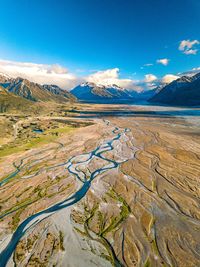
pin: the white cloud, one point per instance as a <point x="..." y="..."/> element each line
<point x="163" y="61"/>
<point x="148" y="65"/>
<point x="56" y="74"/>
<point x="196" y="69"/>
<point x="190" y="52"/>
<point x="150" y="78"/>
<point x="187" y="44"/>
<point x="168" y="78"/>
<point x="104" y="77"/>
<point x="56" y="68"/>
<point x="40" y="73"/>
<point x="186" y="47"/>
<point x="151" y="86"/>
<point x="109" y="77"/>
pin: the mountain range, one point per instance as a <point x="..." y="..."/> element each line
<point x="34" y="91"/>
<point x="185" y="91"/>
<point x="91" y="92"/>
<point x="97" y="93"/>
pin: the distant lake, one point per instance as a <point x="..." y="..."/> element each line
<point x="37" y="131"/>
<point x="155" y="112"/>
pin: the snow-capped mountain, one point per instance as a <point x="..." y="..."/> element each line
<point x="4" y="78"/>
<point x="97" y="93"/>
<point x="183" y="91"/>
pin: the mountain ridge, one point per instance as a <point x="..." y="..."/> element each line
<point x="34" y="91"/>
<point x="98" y="93"/>
<point x="183" y="91"/>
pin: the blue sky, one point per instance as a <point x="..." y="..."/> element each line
<point x="86" y="36"/>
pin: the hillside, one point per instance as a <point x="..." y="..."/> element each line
<point x="33" y="91"/>
<point x="10" y="102"/>
<point x="184" y="91"/>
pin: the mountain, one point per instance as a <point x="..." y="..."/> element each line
<point x="10" y="102"/>
<point x="56" y="90"/>
<point x="184" y="91"/>
<point x="4" y="78"/>
<point x="33" y="91"/>
<point x="91" y="92"/>
<point x="144" y="95"/>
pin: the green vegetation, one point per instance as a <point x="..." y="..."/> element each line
<point x="45" y="138"/>
<point x="100" y="225"/>
<point x="147" y="263"/>
<point x="25" y="190"/>
<point x="60" y="191"/>
<point x="61" y="236"/>
<point x="11" y="103"/>
<point x="16" y="219"/>
<point x="39" y="192"/>
<point x="124" y="212"/>
<point x="80" y="232"/>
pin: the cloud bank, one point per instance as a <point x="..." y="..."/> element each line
<point x="150" y="78"/>
<point x="40" y="73"/>
<point x="168" y="78"/>
<point x="61" y="76"/>
<point x="111" y="76"/>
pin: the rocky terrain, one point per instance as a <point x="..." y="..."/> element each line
<point x="101" y="191"/>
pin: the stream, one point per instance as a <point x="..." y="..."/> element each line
<point x="71" y="165"/>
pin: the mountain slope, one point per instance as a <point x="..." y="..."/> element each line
<point x="10" y="102"/>
<point x="4" y="78"/>
<point x="90" y="92"/>
<point x="183" y="91"/>
<point x="57" y="91"/>
<point x="35" y="92"/>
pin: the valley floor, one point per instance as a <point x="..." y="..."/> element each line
<point x="101" y="186"/>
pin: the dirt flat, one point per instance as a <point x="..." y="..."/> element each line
<point x="122" y="190"/>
